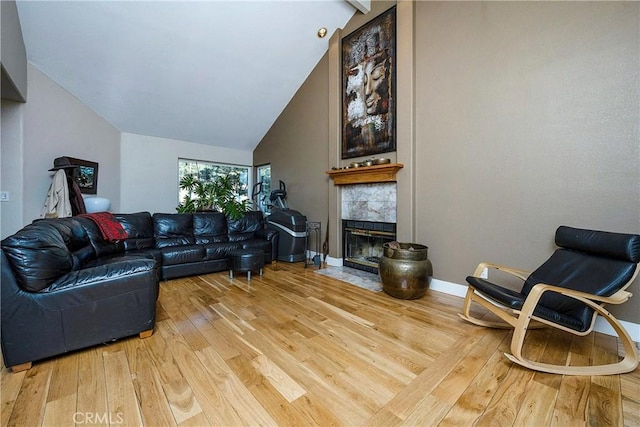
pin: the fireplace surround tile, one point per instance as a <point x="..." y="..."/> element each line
<point x="370" y="202"/>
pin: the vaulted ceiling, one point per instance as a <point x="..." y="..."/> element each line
<point x="210" y="72"/>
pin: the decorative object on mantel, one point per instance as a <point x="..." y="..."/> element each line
<point x="405" y="270"/>
<point x="365" y="174"/>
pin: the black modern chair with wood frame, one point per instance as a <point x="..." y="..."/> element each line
<point x="588" y="270"/>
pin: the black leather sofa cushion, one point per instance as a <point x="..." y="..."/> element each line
<point x="100" y="246"/>
<point x="38" y="256"/>
<point x="246" y="227"/>
<point x="210" y="227"/>
<point x="74" y="235"/>
<point x="265" y="245"/>
<point x="75" y="239"/>
<point x="194" y="268"/>
<point x="139" y="228"/>
<point x="220" y="250"/>
<point x="182" y="254"/>
<point x="173" y="229"/>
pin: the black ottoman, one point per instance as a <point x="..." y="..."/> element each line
<point x="246" y="260"/>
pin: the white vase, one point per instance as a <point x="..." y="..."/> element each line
<point x="97" y="204"/>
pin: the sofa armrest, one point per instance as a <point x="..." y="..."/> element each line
<point x="267" y="234"/>
<point x="101" y="280"/>
<point x="273" y="236"/>
<point x="82" y="308"/>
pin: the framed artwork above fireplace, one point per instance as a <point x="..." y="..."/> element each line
<point x="369" y="88"/>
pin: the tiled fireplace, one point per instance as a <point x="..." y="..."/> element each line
<point x="369" y="220"/>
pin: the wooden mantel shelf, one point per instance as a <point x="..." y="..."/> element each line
<point x="365" y="174"/>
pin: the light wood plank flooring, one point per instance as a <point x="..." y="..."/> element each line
<point x="296" y="348"/>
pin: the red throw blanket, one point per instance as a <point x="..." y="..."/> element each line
<point x="109" y="226"/>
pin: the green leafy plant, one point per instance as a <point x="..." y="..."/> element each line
<point x="218" y="194"/>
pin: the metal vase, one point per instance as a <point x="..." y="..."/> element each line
<point x="405" y="272"/>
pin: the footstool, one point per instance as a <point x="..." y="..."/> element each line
<point x="246" y="260"/>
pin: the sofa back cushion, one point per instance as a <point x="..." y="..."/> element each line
<point x="100" y="246"/>
<point x="173" y="229"/>
<point x="210" y="227"/>
<point x="38" y="255"/>
<point x="139" y="228"/>
<point x="245" y="228"/>
<point x="75" y="238"/>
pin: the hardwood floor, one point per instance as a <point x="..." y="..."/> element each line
<point x="298" y="348"/>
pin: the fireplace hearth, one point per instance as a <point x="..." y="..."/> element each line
<point x="363" y="242"/>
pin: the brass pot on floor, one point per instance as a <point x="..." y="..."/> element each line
<point x="405" y="270"/>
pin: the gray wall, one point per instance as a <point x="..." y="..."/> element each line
<point x="529" y="118"/>
<point x="526" y="116"/>
<point x="297" y="147"/>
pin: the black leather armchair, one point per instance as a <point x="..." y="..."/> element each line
<point x="568" y="291"/>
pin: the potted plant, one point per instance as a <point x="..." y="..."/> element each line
<point x="218" y="194"/>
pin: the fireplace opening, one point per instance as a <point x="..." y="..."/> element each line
<point x="363" y="242"/>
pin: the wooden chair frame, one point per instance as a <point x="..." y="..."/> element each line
<point x="524" y="319"/>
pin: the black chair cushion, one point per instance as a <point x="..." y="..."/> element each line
<point x="579" y="271"/>
<point x="502" y="295"/>
<point x="603" y="243"/>
<point x="515" y="300"/>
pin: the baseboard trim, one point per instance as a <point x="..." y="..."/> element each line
<point x="458" y="290"/>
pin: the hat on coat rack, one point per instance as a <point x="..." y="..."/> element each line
<point x="62" y="163"/>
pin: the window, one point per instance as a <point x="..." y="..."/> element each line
<point x="264" y="177"/>
<point x="208" y="171"/>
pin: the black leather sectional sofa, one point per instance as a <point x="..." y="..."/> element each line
<point x="64" y="287"/>
<point x="198" y="243"/>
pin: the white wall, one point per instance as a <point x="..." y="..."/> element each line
<point x="53" y="123"/>
<point x="11" y="159"/>
<point x="149" y="169"/>
<point x="14" y="54"/>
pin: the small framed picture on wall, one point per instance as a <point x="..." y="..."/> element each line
<point x="86" y="175"/>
